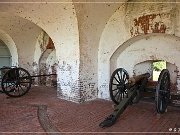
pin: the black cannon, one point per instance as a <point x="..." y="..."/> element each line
<point x="125" y="91"/>
<point x="16" y="81"/>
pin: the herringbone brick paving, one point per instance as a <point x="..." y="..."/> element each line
<point x="20" y="115"/>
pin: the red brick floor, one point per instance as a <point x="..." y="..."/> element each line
<point x="20" y="115"/>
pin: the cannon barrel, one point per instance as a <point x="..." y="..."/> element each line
<point x="136" y="79"/>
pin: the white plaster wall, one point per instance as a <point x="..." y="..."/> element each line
<point x="51" y="61"/>
<point x="40" y="47"/>
<point x="173" y="72"/>
<point x="113" y="36"/>
<point x="51" y="65"/>
<point x="143" y="67"/>
<point x="37" y="55"/>
<point x="44" y="57"/>
<point x="92" y="19"/>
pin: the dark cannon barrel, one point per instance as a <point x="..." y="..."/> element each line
<point x="136" y="79"/>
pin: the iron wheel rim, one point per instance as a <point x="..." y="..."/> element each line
<point x="118" y="85"/>
<point x="163" y="91"/>
<point x="16" y="82"/>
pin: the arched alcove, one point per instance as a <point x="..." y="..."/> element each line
<point x="148" y="48"/>
<point x="5" y="55"/>
<point x="8" y="41"/>
<point x="41" y="54"/>
<point x="45" y="60"/>
<point x="51" y="64"/>
<point x="47" y="65"/>
<point x="144" y="48"/>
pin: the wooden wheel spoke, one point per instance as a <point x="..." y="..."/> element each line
<point x="18" y="91"/>
<point x="124" y="77"/>
<point x="116" y="79"/>
<point x="22" y="88"/>
<point x="114" y="89"/>
<point x="118" y="97"/>
<point x="116" y="93"/>
<point x="121" y="72"/>
<point x="23" y="75"/>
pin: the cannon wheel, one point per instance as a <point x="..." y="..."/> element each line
<point x="163" y="91"/>
<point x="16" y="82"/>
<point x="118" y="85"/>
<point x="3" y="70"/>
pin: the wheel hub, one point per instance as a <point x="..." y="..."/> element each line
<point x="121" y="87"/>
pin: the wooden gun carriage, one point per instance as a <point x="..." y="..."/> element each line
<point x="125" y="91"/>
<point x="16" y="81"/>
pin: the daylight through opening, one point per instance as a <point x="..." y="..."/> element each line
<point x="158" y="66"/>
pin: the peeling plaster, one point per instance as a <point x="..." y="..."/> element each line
<point x="153" y="23"/>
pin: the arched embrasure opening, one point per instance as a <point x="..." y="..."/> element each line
<point x="154" y="67"/>
<point x="158" y="66"/>
<point x="11" y="47"/>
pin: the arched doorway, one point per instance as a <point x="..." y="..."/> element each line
<point x="5" y="56"/>
<point x="47" y="63"/>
